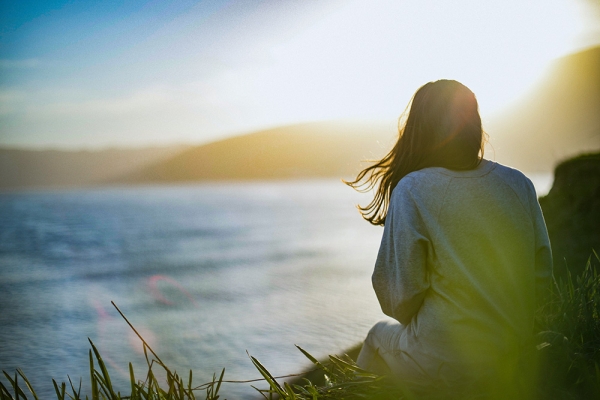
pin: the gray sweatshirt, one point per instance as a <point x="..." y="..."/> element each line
<point x="464" y="261"/>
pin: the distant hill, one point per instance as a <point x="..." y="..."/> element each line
<point x="297" y="151"/>
<point x="57" y="168"/>
<point x="558" y="119"/>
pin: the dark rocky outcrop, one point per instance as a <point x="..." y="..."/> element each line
<point x="572" y="213"/>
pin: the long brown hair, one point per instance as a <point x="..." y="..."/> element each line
<point x="443" y="129"/>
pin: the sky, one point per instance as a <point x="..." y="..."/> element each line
<point x="88" y="74"/>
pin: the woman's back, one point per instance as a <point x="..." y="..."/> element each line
<point x="465" y="255"/>
<point x="461" y="247"/>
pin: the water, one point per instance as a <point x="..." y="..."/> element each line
<point x="205" y="272"/>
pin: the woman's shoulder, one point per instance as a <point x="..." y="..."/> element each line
<point x="513" y="177"/>
<point x="423" y="183"/>
<point x="420" y="179"/>
<point x="433" y="179"/>
<point x="484" y="169"/>
<point x="507" y="170"/>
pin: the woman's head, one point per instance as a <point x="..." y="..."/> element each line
<point x="442" y="129"/>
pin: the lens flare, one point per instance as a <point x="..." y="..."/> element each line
<point x="158" y="294"/>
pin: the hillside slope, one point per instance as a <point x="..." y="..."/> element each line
<point x="558" y="119"/>
<point x="60" y="168"/>
<point x="298" y="151"/>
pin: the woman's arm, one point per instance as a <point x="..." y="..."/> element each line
<point x="400" y="275"/>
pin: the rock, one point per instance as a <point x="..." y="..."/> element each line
<point x="572" y="213"/>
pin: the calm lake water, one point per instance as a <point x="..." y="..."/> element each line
<point x="205" y="272"/>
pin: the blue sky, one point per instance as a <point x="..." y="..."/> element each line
<point x="88" y="74"/>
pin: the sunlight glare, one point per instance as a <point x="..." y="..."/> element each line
<point x="366" y="59"/>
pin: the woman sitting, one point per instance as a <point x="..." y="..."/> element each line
<point x="464" y="259"/>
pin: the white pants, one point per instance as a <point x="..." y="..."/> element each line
<point x="381" y="352"/>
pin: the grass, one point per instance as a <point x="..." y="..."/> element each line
<point x="174" y="387"/>
<point x="570" y="338"/>
<point x="564" y="363"/>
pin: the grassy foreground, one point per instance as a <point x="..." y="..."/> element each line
<point x="564" y="363"/>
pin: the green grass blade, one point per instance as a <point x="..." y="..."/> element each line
<point x="27" y="383"/>
<point x="60" y="394"/>
<point x="189" y="387"/>
<point x="314" y="360"/>
<point x="104" y="387"/>
<point x="15" y="385"/>
<point x="267" y="375"/>
<point x="76" y="393"/>
<point x="132" y="381"/>
<point x="289" y="391"/>
<point x="107" y="382"/>
<point x="342" y="364"/>
<point x="17" y="388"/>
<point x="4" y="393"/>
<point x="261" y="391"/>
<point x="142" y="339"/>
<point x="93" y="382"/>
<point x="219" y="383"/>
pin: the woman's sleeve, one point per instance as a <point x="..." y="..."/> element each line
<point x="400" y="275"/>
<point x="543" y="252"/>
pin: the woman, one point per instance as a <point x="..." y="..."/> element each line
<point x="465" y="256"/>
